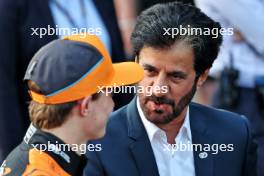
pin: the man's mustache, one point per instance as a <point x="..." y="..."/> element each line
<point x="160" y="100"/>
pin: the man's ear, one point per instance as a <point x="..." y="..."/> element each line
<point x="203" y="77"/>
<point x="84" y="105"/>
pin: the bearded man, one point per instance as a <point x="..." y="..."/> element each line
<point x="164" y="133"/>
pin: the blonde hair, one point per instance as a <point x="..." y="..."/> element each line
<point x="48" y="116"/>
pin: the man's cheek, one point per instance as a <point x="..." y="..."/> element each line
<point x="146" y="81"/>
<point x="179" y="92"/>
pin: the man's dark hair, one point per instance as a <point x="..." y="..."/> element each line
<point x="151" y="24"/>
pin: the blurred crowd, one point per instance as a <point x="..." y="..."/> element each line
<point x="236" y="81"/>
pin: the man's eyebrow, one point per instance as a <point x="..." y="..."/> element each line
<point x="149" y="67"/>
<point x="178" y="74"/>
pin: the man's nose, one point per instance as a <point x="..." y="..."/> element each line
<point x="158" y="86"/>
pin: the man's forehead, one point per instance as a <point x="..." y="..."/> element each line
<point x="171" y="59"/>
<point x="178" y="49"/>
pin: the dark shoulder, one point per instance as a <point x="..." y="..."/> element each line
<point x="117" y="123"/>
<point x="219" y="117"/>
<point x="118" y="116"/>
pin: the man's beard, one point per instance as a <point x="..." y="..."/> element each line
<point x="176" y="108"/>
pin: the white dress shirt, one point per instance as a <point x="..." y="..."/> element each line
<point x="246" y="16"/>
<point x="170" y="162"/>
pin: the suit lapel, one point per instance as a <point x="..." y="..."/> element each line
<point x="203" y="160"/>
<point x="140" y="145"/>
<point x="143" y="154"/>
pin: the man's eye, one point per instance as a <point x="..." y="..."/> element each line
<point x="176" y="77"/>
<point x="150" y="71"/>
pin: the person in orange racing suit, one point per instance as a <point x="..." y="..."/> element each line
<point x="68" y="81"/>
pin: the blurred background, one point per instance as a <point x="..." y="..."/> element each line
<point x="236" y="80"/>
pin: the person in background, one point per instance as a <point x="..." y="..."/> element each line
<point x="239" y="66"/>
<point x="127" y="12"/>
<point x="20" y="26"/>
<point x="67" y="108"/>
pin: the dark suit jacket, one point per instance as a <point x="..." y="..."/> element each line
<point x="126" y="149"/>
<point x="17" y="46"/>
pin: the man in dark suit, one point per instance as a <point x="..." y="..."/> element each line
<point x="162" y="133"/>
<point x="17" y="47"/>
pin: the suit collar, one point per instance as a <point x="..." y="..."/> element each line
<point x="203" y="160"/>
<point x="152" y="129"/>
<point x="136" y="128"/>
<point x="68" y="159"/>
<point x="140" y="145"/>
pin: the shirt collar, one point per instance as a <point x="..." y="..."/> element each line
<point x="70" y="161"/>
<point x="152" y="129"/>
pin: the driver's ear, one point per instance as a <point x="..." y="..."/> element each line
<point x="84" y="105"/>
<point x="203" y="78"/>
